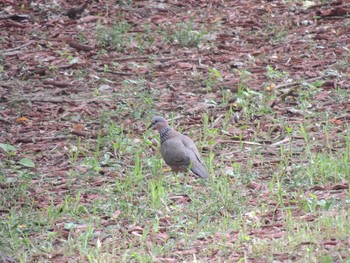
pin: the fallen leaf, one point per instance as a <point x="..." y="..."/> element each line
<point x="78" y="127"/>
<point x="335" y="121"/>
<point x="22" y="120"/>
<point x="27" y="162"/>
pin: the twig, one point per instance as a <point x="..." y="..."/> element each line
<point x="346" y="116"/>
<point x="230" y="141"/>
<point x="79" y="46"/>
<point x="281" y="142"/>
<point x="142" y="58"/>
<point x="57" y="83"/>
<point x="5" y="120"/>
<point x="287" y="85"/>
<point x="93" y="135"/>
<point x="116" y="72"/>
<point x="50" y="100"/>
<point x="40" y="139"/>
<point x="14" y="51"/>
<point x="58" y="100"/>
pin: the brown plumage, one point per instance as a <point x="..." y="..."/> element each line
<point x="178" y="150"/>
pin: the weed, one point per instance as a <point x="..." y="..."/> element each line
<point x="113" y="37"/>
<point x="1" y="64"/>
<point x="272" y="73"/>
<point x="124" y="2"/>
<point x="214" y="78"/>
<point x="185" y="35"/>
<point x="252" y="102"/>
<point x="323" y="169"/>
<point x="145" y="40"/>
<point x="277" y="34"/>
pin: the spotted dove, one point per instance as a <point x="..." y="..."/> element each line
<point x="178" y="150"/>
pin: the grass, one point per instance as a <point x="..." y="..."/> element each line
<point x="152" y="214"/>
<point x="113" y="37"/>
<point x="118" y="38"/>
<point x="185" y="35"/>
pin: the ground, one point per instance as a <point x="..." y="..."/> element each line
<point x="262" y="87"/>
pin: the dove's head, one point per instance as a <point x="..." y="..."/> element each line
<point x="158" y="123"/>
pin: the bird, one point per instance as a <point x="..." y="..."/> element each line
<point x="178" y="150"/>
<point x="74" y="12"/>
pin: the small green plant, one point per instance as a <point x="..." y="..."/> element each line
<point x="322" y="169"/>
<point x="74" y="152"/>
<point x="144" y="40"/>
<point x="185" y="35"/>
<point x="1" y="64"/>
<point x="12" y="151"/>
<point x="9" y="149"/>
<point x="277" y="33"/>
<point x="124" y="2"/>
<point x="81" y="37"/>
<point x="306" y="92"/>
<point x="244" y="77"/>
<point x="272" y="73"/>
<point x="214" y="78"/>
<point x="253" y="102"/>
<point x="113" y="37"/>
<point x="304" y="132"/>
<point x="157" y="192"/>
<point x="82" y="73"/>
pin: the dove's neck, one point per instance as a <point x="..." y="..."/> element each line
<point x="164" y="133"/>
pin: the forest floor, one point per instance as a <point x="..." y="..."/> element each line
<point x="262" y="87"/>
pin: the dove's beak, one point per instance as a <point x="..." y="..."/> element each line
<point x="150" y="126"/>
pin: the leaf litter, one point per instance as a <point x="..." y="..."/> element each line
<point x="53" y="68"/>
